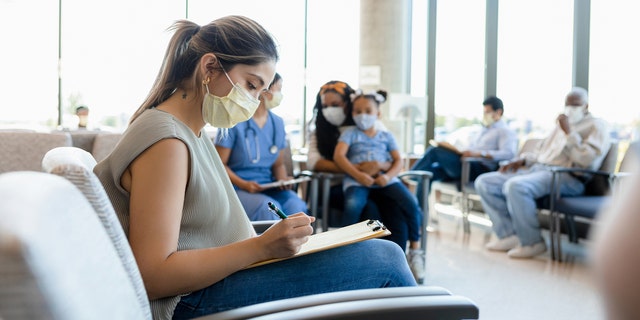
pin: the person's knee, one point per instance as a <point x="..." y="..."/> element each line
<point x="385" y="250"/>
<point x="353" y="203"/>
<point x="479" y="184"/>
<point x="515" y="187"/>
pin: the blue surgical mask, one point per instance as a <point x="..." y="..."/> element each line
<point x="365" y="121"/>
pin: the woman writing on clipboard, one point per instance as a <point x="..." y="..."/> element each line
<point x="252" y="154"/>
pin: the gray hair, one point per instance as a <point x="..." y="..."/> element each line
<point x="581" y="93"/>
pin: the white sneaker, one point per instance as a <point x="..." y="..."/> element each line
<point x="527" y="252"/>
<point x="415" y="257"/>
<point x="504" y="244"/>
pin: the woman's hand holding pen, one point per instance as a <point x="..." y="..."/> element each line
<point x="284" y="238"/>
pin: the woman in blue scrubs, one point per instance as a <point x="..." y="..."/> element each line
<point x="252" y="153"/>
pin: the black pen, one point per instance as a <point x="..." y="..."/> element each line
<point x="276" y="210"/>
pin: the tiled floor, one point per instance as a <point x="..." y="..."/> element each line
<point x="505" y="288"/>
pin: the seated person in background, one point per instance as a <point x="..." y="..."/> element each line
<point x="365" y="143"/>
<point x="332" y="115"/>
<point x="495" y="142"/>
<point x="509" y="195"/>
<point x="252" y="154"/>
<point x="82" y="112"/>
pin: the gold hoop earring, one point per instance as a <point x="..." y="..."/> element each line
<point x="206" y="81"/>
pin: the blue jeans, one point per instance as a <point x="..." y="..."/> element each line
<point x="369" y="264"/>
<point x="255" y="204"/>
<point x="376" y="208"/>
<point x="336" y="201"/>
<point x="405" y="204"/>
<point x="510" y="199"/>
<point x="396" y="223"/>
<point x="445" y="165"/>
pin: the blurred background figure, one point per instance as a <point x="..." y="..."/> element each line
<point x="83" y="117"/>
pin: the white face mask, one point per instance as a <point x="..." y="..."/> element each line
<point x="365" y="121"/>
<point x="575" y="114"/>
<point x="487" y="119"/>
<point x="83" y="120"/>
<point x="276" y="98"/>
<point x="226" y="112"/>
<point x="334" y="115"/>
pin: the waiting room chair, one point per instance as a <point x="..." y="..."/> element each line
<point x="76" y="165"/>
<point x="103" y="144"/>
<point x="599" y="191"/>
<point x="23" y="150"/>
<point x="59" y="262"/>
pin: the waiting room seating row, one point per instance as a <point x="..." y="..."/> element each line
<point x="24" y="149"/>
<point x="554" y="207"/>
<point x="462" y="193"/>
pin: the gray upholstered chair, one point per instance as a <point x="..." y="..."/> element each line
<point x="84" y="139"/>
<point x="58" y="261"/>
<point x="76" y="165"/>
<point x="23" y="150"/>
<point x="103" y="144"/>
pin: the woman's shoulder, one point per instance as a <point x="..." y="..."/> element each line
<point x="275" y="116"/>
<point x="154" y="122"/>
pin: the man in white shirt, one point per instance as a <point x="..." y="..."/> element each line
<point x="509" y="195"/>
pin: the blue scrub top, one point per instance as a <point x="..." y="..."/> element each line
<point x="245" y="139"/>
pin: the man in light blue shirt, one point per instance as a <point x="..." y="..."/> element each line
<point x="495" y="142"/>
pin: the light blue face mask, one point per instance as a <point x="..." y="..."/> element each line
<point x="365" y="121"/>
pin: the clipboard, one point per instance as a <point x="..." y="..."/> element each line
<point x="364" y="230"/>
<point x="446" y="145"/>
<point x="281" y="183"/>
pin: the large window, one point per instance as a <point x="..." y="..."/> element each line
<point x="459" y="83"/>
<point x="28" y="61"/>
<point x="535" y="43"/>
<point x="111" y="52"/>
<point x="614" y="65"/>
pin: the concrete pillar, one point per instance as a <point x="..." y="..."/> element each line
<point x="385" y="48"/>
<point x="385" y="41"/>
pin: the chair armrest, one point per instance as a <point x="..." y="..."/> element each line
<point x="416" y="173"/>
<point x="442" y="307"/>
<point x="321" y="183"/>
<point x="328" y="175"/>
<point x="425" y="176"/>
<point x="579" y="170"/>
<point x="262" y="225"/>
<point x="305" y="173"/>
<point x="325" y="299"/>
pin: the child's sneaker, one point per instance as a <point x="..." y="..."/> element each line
<point x="416" y="257"/>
